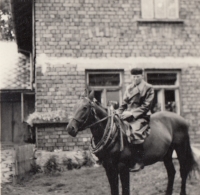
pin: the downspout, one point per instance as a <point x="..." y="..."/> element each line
<point x="33" y="76"/>
<point x="13" y="122"/>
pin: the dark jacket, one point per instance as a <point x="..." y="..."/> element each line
<point x="137" y="99"/>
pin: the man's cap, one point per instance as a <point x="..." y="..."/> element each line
<point x="136" y="71"/>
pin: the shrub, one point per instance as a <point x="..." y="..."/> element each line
<point x="35" y="168"/>
<point x="88" y="160"/>
<point x="51" y="166"/>
<point x="53" y="116"/>
<point x="70" y="164"/>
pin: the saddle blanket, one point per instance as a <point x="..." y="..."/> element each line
<point x="137" y="131"/>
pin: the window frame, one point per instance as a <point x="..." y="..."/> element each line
<point x="152" y="15"/>
<point x="104" y="89"/>
<point x="161" y="88"/>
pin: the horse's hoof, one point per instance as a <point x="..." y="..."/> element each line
<point x="183" y="193"/>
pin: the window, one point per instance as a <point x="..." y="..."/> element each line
<point x="166" y="86"/>
<point x="107" y="85"/>
<point x="160" y="9"/>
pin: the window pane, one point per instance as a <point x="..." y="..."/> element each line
<point x="104" y="79"/>
<point x="161" y="78"/>
<point x="113" y="95"/>
<point x="172" y="9"/>
<point x="155" y="107"/>
<point x="170" y="104"/>
<point x="160" y="9"/>
<point x="98" y="95"/>
<point x="147" y="9"/>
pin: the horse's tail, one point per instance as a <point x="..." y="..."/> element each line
<point x="191" y="163"/>
<point x="188" y="163"/>
<point x="196" y="165"/>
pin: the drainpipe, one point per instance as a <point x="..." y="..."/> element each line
<point x="33" y="45"/>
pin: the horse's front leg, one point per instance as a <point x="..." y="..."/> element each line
<point x="112" y="174"/>
<point x="125" y="178"/>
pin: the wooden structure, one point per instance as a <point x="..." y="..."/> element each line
<point x="17" y="97"/>
<point x="23" y="158"/>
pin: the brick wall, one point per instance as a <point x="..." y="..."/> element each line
<point x="55" y="136"/>
<point x="62" y="84"/>
<point x="59" y="87"/>
<point x="190" y="93"/>
<point x="90" y="28"/>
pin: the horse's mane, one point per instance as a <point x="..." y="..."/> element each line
<point x="100" y="105"/>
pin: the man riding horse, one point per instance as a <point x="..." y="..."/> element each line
<point x="135" y="109"/>
<point x="169" y="132"/>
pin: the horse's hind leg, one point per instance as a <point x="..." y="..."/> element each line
<point x="170" y="171"/>
<point x="186" y="161"/>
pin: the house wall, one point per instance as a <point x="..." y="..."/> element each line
<point x="55" y="136"/>
<point x="62" y="84"/>
<point x="75" y="35"/>
<point x="90" y="28"/>
<point x="190" y="101"/>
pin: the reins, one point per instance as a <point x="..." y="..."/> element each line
<point x="110" y="135"/>
<point x="93" y="124"/>
<point x="110" y="132"/>
<point x="103" y="119"/>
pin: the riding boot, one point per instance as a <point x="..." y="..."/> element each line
<point x="138" y="153"/>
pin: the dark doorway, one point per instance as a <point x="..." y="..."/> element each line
<point x="13" y="128"/>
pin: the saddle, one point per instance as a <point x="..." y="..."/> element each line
<point x="135" y="131"/>
<point x="114" y="125"/>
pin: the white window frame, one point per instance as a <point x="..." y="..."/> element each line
<point x="161" y="89"/>
<point x="104" y="89"/>
<point x="149" y="10"/>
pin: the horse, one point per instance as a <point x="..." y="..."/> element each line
<point x="169" y="132"/>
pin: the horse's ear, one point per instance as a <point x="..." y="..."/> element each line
<point x="84" y="94"/>
<point x="91" y="96"/>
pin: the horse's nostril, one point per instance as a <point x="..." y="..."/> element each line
<point x="72" y="131"/>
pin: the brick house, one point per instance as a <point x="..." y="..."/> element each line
<point x="93" y="44"/>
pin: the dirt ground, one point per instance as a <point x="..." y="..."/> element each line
<point x="92" y="181"/>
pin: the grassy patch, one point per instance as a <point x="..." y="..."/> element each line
<point x="47" y="184"/>
<point x="51" y="190"/>
<point x="59" y="185"/>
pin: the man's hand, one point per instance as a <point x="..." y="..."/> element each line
<point x="126" y="114"/>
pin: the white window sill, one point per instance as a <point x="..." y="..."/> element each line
<point x="160" y="20"/>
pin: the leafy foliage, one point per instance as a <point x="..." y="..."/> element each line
<point x="89" y="161"/>
<point x="51" y="166"/>
<point x="35" y="168"/>
<point x="46" y="116"/>
<point x="6" y="26"/>
<point x="70" y="165"/>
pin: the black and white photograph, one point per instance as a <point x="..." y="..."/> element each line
<point x="100" y="97"/>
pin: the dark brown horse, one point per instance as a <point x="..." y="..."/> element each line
<point x="169" y="132"/>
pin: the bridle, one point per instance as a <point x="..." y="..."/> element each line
<point x="110" y="132"/>
<point x="92" y="112"/>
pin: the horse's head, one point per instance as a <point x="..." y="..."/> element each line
<point x="81" y="115"/>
